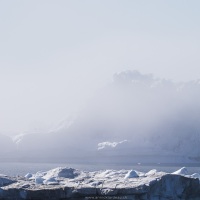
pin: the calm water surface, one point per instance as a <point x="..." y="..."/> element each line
<point x="20" y="168"/>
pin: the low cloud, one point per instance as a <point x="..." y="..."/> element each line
<point x="104" y="145"/>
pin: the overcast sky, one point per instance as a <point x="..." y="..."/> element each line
<point x="55" y="54"/>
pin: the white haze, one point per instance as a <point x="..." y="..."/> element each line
<point x="58" y="95"/>
<point x="55" y="55"/>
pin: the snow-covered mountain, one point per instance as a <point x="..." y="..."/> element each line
<point x="157" y="118"/>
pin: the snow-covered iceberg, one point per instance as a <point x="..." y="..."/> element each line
<point x="68" y="183"/>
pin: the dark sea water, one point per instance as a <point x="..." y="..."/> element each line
<point x="21" y="168"/>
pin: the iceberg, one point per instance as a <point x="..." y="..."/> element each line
<point x="68" y="183"/>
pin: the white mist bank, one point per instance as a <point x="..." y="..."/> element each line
<point x="155" y="117"/>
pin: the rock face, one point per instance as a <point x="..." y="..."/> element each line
<point x="68" y="183"/>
